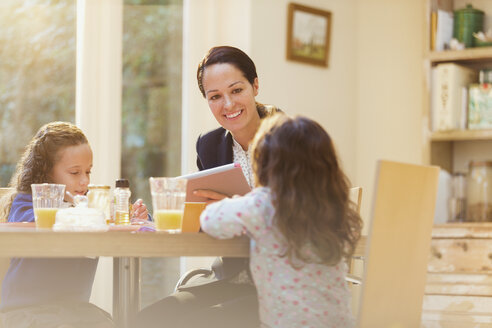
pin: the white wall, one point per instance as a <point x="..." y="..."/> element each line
<point x="327" y="95"/>
<point x="389" y="84"/>
<point x="369" y="98"/>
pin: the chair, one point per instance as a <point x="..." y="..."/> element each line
<point x="356" y="197"/>
<point x="398" y="246"/>
<point x="4" y="261"/>
<point x="4" y="191"/>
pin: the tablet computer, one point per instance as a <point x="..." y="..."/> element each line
<point x="226" y="179"/>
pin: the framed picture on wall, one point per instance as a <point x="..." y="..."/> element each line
<point x="308" y="35"/>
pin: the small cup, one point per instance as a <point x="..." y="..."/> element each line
<point x="191" y="216"/>
<point x="47" y="198"/>
<point x="168" y="196"/>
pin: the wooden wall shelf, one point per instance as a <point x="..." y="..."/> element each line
<point x="468" y="55"/>
<point x="461" y="135"/>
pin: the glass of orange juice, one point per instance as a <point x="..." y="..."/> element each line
<point x="47" y="198"/>
<point x="168" y="196"/>
<point x="191" y="216"/>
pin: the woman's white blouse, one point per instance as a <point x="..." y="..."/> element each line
<point x="243" y="157"/>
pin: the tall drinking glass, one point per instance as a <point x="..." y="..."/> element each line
<point x="47" y="198"/>
<point x="168" y="196"/>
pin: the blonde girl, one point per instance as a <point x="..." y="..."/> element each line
<point x="50" y="292"/>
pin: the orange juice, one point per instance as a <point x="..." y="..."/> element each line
<point x="191" y="216"/>
<point x="45" y="217"/>
<point x="168" y="220"/>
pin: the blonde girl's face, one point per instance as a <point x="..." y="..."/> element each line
<point x="231" y="97"/>
<point x="73" y="169"/>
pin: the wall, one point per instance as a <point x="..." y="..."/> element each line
<point x="389" y="87"/>
<point x="327" y="95"/>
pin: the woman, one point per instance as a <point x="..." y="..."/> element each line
<point x="228" y="80"/>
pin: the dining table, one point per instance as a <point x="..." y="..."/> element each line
<point x="126" y="245"/>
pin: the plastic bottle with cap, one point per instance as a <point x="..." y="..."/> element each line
<point x="122" y="195"/>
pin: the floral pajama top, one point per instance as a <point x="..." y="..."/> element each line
<point x="314" y="295"/>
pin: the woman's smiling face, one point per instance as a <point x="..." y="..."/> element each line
<point x="231" y="97"/>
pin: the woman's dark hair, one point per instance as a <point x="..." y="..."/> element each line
<point x="296" y="159"/>
<point x="227" y="55"/>
<point x="39" y="158"/>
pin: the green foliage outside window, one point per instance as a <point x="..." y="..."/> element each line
<point x="151" y="127"/>
<point x="37" y="72"/>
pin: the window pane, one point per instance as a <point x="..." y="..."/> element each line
<point x="151" y="117"/>
<point x="37" y="72"/>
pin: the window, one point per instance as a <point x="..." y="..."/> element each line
<point x="37" y="72"/>
<point x="151" y="117"/>
<point x="38" y="85"/>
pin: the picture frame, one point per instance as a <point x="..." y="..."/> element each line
<point x="308" y="35"/>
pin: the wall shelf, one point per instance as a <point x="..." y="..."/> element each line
<point x="466" y="56"/>
<point x="461" y="135"/>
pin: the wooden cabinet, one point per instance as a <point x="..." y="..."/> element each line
<point x="453" y="150"/>
<point x="458" y="292"/>
<point x="459" y="281"/>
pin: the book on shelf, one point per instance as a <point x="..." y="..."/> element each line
<point x="448" y="108"/>
<point x="433" y="26"/>
<point x="463" y="120"/>
<point x="480" y="106"/>
<point x="443" y="32"/>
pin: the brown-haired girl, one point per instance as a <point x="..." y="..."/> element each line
<point x="51" y="292"/>
<point x="302" y="224"/>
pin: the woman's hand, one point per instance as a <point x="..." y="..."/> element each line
<point x="212" y="196"/>
<point x="139" y="214"/>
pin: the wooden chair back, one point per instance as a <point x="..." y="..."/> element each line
<point x="4" y="261"/>
<point x="356" y="196"/>
<point x="398" y="246"/>
<point x="3" y="191"/>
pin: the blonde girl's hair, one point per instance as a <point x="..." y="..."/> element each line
<point x="296" y="159"/>
<point x="39" y="158"/>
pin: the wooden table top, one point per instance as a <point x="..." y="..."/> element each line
<point x="23" y="240"/>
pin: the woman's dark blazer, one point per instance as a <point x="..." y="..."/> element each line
<point x="215" y="149"/>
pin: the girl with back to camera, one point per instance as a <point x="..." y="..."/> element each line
<point x="301" y="221"/>
<point x="40" y="292"/>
